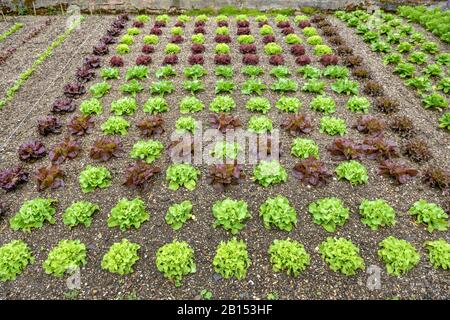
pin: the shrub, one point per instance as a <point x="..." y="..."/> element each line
<point x="161" y="88"/>
<point x="222" y="175"/>
<point x="439" y="253"/>
<point x="230" y="214"/>
<point x="222" y="104"/>
<point x="121" y="257"/>
<point x="66" y="256"/>
<point x="178" y="214"/>
<point x="332" y="126"/>
<point x="231" y="259"/>
<point x="345" y="86"/>
<point x="376" y="213"/>
<point x="341" y="255"/>
<point x="148" y="151"/>
<point x="288" y="255"/>
<point x="124" y="106"/>
<point x="430" y="214"/>
<point x="191" y="104"/>
<point x="33" y="214"/>
<point x="258" y="104"/>
<point x="252" y="86"/>
<point x="14" y="258"/>
<point x="139" y="174"/>
<point x="260" y="124"/>
<point x="268" y="173"/>
<point x="304" y="148"/>
<point x="279" y="213"/>
<point x="182" y="175"/>
<point x="49" y="177"/>
<point x="128" y="214"/>
<point x="311" y="172"/>
<point x="115" y="125"/>
<point x="288" y="104"/>
<point x="156" y="105"/>
<point x="353" y="171"/>
<point x="175" y="260"/>
<point x="80" y="212"/>
<point x="272" y="48"/>
<point x="358" y="104"/>
<point x="91" y="106"/>
<point x="133" y="87"/>
<point x="31" y="150"/>
<point x="94" y="177"/>
<point x="399" y="255"/>
<point x="11" y="178"/>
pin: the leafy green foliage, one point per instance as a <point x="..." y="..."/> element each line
<point x="380" y="46"/>
<point x="266" y="30"/>
<point x="444" y="121"/>
<point x="279" y="213"/>
<point x="226" y="150"/>
<point x="80" y="212"/>
<point x="14" y="258"/>
<point x="94" y="177"/>
<point x="420" y="83"/>
<point x="280" y="72"/>
<point x="258" y="104"/>
<point x="185" y="124"/>
<point x="128" y="214"/>
<point x="191" y="104"/>
<point x="178" y="214"/>
<point x="224" y="86"/>
<point x="444" y="85"/>
<point x="304" y="148"/>
<point x="335" y="72"/>
<point x="123" y="48"/>
<point x="252" y="71"/>
<point x="322" y="49"/>
<point x="309" y="72"/>
<point x="376" y="213"/>
<point x="182" y="174"/>
<point x="434" y="101"/>
<point x="314" y="40"/>
<point x="133" y="32"/>
<point x="323" y="104"/>
<point x="222" y="48"/>
<point x="195" y="72"/>
<point x="332" y="126"/>
<point x="430" y="214"/>
<point x="68" y="255"/>
<point x="345" y="86"/>
<point x="137" y="72"/>
<point x="288" y="255"/>
<point x="231" y="259"/>
<point x="268" y="173"/>
<point x="352" y="171"/>
<point x="309" y="31"/>
<point x="198" y="38"/>
<point x="433" y="70"/>
<point x="341" y="255"/>
<point x="418" y="57"/>
<point x="151" y="39"/>
<point x="224" y="72"/>
<point x="392" y="58"/>
<point x="399" y="255"/>
<point x="430" y="47"/>
<point x="230" y="214"/>
<point x="284" y="85"/>
<point x="223" y="103"/>
<point x="161" y="87"/>
<point x="193" y="86"/>
<point x="404" y="47"/>
<point x="438" y="253"/>
<point x="314" y="86"/>
<point x="405" y="70"/>
<point x="223" y="31"/>
<point x="329" y="213"/>
<point x="91" y="106"/>
<point x="272" y="48"/>
<point x="253" y="86"/>
<point x="245" y="39"/>
<point x="147" y="150"/>
<point x="165" y="72"/>
<point x="33" y="214"/>
<point x="115" y="125"/>
<point x="132" y="87"/>
<point x="293" y="39"/>
<point x="176" y="31"/>
<point x="288" y="104"/>
<point x="176" y="260"/>
<point x="110" y="73"/>
<point x="125" y="106"/>
<point x="260" y="124"/>
<point x="172" y="48"/>
<point x="156" y="105"/>
<point x="358" y="104"/>
<point x="121" y="257"/>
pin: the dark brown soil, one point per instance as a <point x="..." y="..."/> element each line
<point x="317" y="282"/>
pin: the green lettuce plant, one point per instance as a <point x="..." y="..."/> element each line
<point x="392" y="58"/>
<point x="314" y="86"/>
<point x="137" y="72"/>
<point x="110" y="73"/>
<point x="329" y="213"/>
<point x="309" y="31"/>
<point x="341" y="255"/>
<point x="33" y="213"/>
<point x="121" y="257"/>
<point x="246" y="39"/>
<point x="280" y="72"/>
<point x="172" y="48"/>
<point x="266" y="30"/>
<point x="15" y="256"/>
<point x="268" y="173"/>
<point x="231" y="259"/>
<point x="91" y="106"/>
<point x="323" y="104"/>
<point x="405" y="70"/>
<point x="196" y="71"/>
<point x="430" y="214"/>
<point x="418" y="57"/>
<point x="399" y="255"/>
<point x="289" y="256"/>
<point x="258" y="104"/>
<point x="434" y="101"/>
<point x="376" y="213"/>
<point x="438" y="253"/>
<point x="80" y="212"/>
<point x="156" y="105"/>
<point x="304" y="148"/>
<point x="314" y="40"/>
<point x="147" y="150"/>
<point x="260" y="124"/>
<point x="198" y="38"/>
<point x="352" y="171"/>
<point x="191" y="104"/>
<point x="345" y="86"/>
<point x="165" y="72"/>
<point x="123" y="49"/>
<point x="322" y="49"/>
<point x="151" y="39"/>
<point x="133" y="31"/>
<point x="444" y="121"/>
<point x="222" y="104"/>
<point x="186" y="124"/>
<point x="115" y="125"/>
<point x="124" y="106"/>
<point x="444" y="85"/>
<point x="332" y="126"/>
<point x="335" y="72"/>
<point x="358" y="104"/>
<point x="224" y="72"/>
<point x="288" y="104"/>
<point x="272" y="48"/>
<point x="179" y="175"/>
<point x="226" y="150"/>
<point x="252" y="71"/>
<point x="132" y="87"/>
<point x="98" y="90"/>
<point x="128" y="214"/>
<point x="284" y="85"/>
<point x="66" y="256"/>
<point x="178" y="214"/>
<point x="309" y="72"/>
<point x="230" y="214"/>
<point x="293" y="39"/>
<point x="253" y="86"/>
<point x="94" y="177"/>
<point x="162" y="87"/>
<point x="279" y="213"/>
<point x="222" y="48"/>
<point x="193" y="86"/>
<point x="224" y="86"/>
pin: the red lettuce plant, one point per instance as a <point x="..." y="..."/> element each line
<point x="369" y="124"/>
<point x="147" y="49"/>
<point x="114" y="32"/>
<point x="222" y="23"/>
<point x="437" y="178"/>
<point x="74" y="90"/>
<point x="143" y="60"/>
<point x="241" y="31"/>
<point x="182" y="149"/>
<point x="85" y="74"/>
<point x="249" y="58"/>
<point x="100" y="49"/>
<point x="336" y="40"/>
<point x="224" y="122"/>
<point x="68" y="149"/>
<point x="199" y="30"/>
<point x="304" y="24"/>
<point x="106" y="148"/>
<point x="268" y="38"/>
<point x="297" y="50"/>
<point x="399" y="171"/>
<point x="276" y="59"/>
<point x="108" y="39"/>
<point x="11" y="178"/>
<point x="328" y="59"/>
<point x="344" y="51"/>
<point x="170" y="59"/>
<point x="139" y="174"/>
<point x="283" y="24"/>
<point x="80" y="125"/>
<point x="63" y="105"/>
<point x="49" y="124"/>
<point x="49" y="177"/>
<point x="116" y="61"/>
<point x="196" y="59"/>
<point x="156" y="31"/>
<point x="159" y="24"/>
<point x="247" y="48"/>
<point x="243" y="24"/>
<point x="221" y="38"/>
<point x="302" y="60"/>
<point x="199" y="24"/>
<point x="197" y="48"/>
<point x="262" y="23"/>
<point x="138" y="24"/>
<point x="417" y="149"/>
<point x="32" y="150"/>
<point x="222" y="175"/>
<point x="176" y="39"/>
<point x="345" y="149"/>
<point x="222" y="59"/>
<point x="179" y="24"/>
<point x="150" y="126"/>
<point x="92" y="62"/>
<point x="287" y="30"/>
<point x="297" y="124"/>
<point x="312" y="172"/>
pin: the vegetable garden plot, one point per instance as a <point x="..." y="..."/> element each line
<point x="95" y="181"/>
